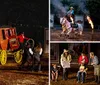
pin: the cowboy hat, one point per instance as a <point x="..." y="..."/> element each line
<point x="71" y="7"/>
<point x="65" y="51"/>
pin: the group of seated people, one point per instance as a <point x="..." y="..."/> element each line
<point x="83" y="67"/>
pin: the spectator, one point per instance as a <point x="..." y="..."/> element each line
<point x="83" y="60"/>
<point x="81" y="74"/>
<point x="54" y="72"/>
<point x="37" y="56"/>
<point x="65" y="63"/>
<point x="95" y="62"/>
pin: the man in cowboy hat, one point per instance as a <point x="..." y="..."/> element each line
<point x="71" y="11"/>
<point x="65" y="63"/>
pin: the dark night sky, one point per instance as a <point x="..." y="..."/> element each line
<point x="29" y="16"/>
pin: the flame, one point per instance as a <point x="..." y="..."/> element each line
<point x="72" y="19"/>
<point x="90" y="22"/>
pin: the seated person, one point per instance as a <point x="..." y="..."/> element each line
<point x="81" y="73"/>
<point x="54" y="72"/>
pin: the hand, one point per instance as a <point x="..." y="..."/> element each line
<point x="53" y="72"/>
<point x="92" y="63"/>
<point x="83" y="61"/>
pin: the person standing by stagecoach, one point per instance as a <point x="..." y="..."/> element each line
<point x="38" y="50"/>
<point x="65" y="63"/>
<point x="22" y="39"/>
<point x="27" y="55"/>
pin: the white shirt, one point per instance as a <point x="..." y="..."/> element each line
<point x="41" y="50"/>
<point x="80" y="27"/>
<point x="30" y="50"/>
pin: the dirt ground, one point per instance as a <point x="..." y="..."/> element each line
<point x="72" y="80"/>
<point x="14" y="77"/>
<point x="87" y="36"/>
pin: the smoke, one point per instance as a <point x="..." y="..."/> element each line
<point x="62" y="10"/>
<point x="82" y="5"/>
<point x="59" y="8"/>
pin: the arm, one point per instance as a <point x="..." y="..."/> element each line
<point x="70" y="58"/>
<point x="26" y="38"/>
<point x="61" y="60"/>
<point x="95" y="61"/>
<point x="72" y="12"/>
<point x="79" y="60"/>
<point x="86" y="60"/>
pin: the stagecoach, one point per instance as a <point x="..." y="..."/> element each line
<point x="10" y="45"/>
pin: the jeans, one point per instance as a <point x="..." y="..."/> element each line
<point x="36" y="59"/>
<point x="65" y="73"/>
<point x="81" y="75"/>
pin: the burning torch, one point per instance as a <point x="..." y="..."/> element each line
<point x="92" y="26"/>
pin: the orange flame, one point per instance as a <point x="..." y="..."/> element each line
<point x="90" y="22"/>
<point x="72" y="19"/>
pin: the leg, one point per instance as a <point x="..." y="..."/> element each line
<point x="52" y="75"/>
<point x="67" y="70"/>
<point x="64" y="70"/>
<point x="69" y="30"/>
<point x="65" y="74"/>
<point x="37" y="56"/>
<point x="63" y="30"/>
<point x="33" y="63"/>
<point x="96" y="78"/>
<point x="24" y="59"/>
<point x="83" y="77"/>
<point x="56" y="75"/>
<point x="78" y="75"/>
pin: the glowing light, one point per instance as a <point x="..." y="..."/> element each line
<point x="90" y="22"/>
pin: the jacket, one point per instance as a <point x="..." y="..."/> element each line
<point x="85" y="59"/>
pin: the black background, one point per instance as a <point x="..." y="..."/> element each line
<point x="28" y="16"/>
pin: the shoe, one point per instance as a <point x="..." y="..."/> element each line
<point x="55" y="80"/>
<point x="77" y="81"/>
<point x="40" y="71"/>
<point x="33" y="71"/>
<point x="82" y="82"/>
<point x="52" y="79"/>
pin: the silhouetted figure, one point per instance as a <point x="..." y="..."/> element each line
<point x="27" y="55"/>
<point x="37" y="57"/>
